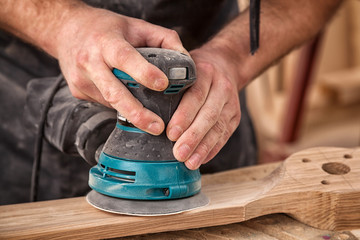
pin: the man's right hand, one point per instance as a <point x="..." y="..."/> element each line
<point x="94" y="41"/>
<point x="89" y="42"/>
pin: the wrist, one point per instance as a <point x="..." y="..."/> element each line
<point x="61" y="28"/>
<point x="233" y="57"/>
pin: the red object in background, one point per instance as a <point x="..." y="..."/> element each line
<point x="294" y="109"/>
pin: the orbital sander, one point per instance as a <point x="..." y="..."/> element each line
<point x="137" y="173"/>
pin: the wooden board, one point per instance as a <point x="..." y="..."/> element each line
<point x="319" y="187"/>
<point x="269" y="227"/>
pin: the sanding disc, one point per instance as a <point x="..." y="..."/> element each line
<point x="146" y="207"/>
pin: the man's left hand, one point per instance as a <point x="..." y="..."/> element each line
<point x="209" y="111"/>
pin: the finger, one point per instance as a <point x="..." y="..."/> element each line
<point x="234" y="122"/>
<point x="215" y="139"/>
<point x="206" y="146"/>
<point x="145" y="34"/>
<point x="125" y="58"/>
<point x="204" y="121"/>
<point x="117" y="95"/>
<point x="190" y="104"/>
<point x="169" y="39"/>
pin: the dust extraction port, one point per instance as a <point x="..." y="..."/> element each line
<point x="120" y="175"/>
<point x="174" y="88"/>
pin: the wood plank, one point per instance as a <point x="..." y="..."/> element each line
<point x="281" y="226"/>
<point x="227" y="232"/>
<point x="270" y="227"/>
<point x="299" y="187"/>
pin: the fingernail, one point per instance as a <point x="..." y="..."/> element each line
<point x="194" y="162"/>
<point x="160" y="84"/>
<point x="183" y="151"/>
<point x="154" y="128"/>
<point x="175" y="132"/>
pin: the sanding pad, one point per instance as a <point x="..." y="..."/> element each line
<point x="146" y="207"/>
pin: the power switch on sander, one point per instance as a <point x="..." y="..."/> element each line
<point x="137" y="173"/>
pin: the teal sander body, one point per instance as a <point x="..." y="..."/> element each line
<point x="137" y="173"/>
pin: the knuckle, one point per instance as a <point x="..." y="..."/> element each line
<point x="119" y="55"/>
<point x="203" y="149"/>
<point x="136" y="21"/>
<point x="226" y="135"/>
<point x="211" y="115"/>
<point x="220" y="127"/>
<point x="126" y="50"/>
<point x="227" y="85"/>
<point x="206" y="67"/>
<point x="109" y="96"/>
<point x="136" y="117"/>
<point x="123" y="55"/>
<point x="97" y="77"/>
<point x="112" y="95"/>
<point x="173" y="34"/>
<point x="185" y="116"/>
<point x="82" y="58"/>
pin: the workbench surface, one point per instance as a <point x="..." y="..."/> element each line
<point x="319" y="186"/>
<point x="270" y="227"/>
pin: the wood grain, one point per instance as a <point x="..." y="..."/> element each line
<point x="323" y="196"/>
<point x="269" y="227"/>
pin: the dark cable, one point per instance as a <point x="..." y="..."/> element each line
<point x="39" y="141"/>
<point x="254" y="25"/>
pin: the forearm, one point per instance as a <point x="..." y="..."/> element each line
<point x="284" y="25"/>
<point x="38" y="22"/>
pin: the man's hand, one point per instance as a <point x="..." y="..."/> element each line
<point x="209" y="111"/>
<point x="90" y="42"/>
<point x="95" y="41"/>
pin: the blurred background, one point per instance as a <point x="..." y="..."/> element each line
<point x="312" y="96"/>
